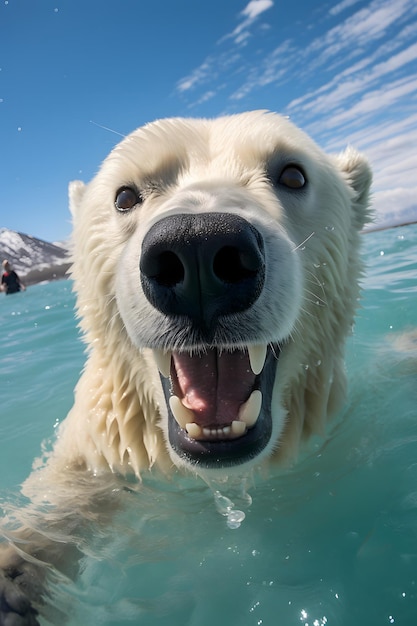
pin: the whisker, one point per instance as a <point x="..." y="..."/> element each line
<point x="305" y="312"/>
<point x="303" y="242"/>
<point x="315" y="296"/>
<point x="316" y="281"/>
<point x="272" y="348"/>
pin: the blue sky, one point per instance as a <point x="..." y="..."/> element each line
<point x="346" y="72"/>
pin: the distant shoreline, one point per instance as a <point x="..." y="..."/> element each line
<point x="388" y="226"/>
<point x="54" y="272"/>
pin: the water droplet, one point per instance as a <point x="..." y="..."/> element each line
<point x="381" y="253"/>
<point x="245" y="500"/>
<point x="235" y="518"/>
<point x="254" y="607"/>
<point x="329" y="229"/>
<point x="224" y="505"/>
<point x="318" y="363"/>
<point x="317" y="265"/>
<point x="255" y="552"/>
<point x="227" y="507"/>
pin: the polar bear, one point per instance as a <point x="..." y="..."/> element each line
<point x="216" y="265"/>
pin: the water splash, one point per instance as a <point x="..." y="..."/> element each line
<point x="230" y="505"/>
<point x="225" y="507"/>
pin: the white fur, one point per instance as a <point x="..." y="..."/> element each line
<point x="119" y="419"/>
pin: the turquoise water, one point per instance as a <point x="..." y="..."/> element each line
<point x="331" y="541"/>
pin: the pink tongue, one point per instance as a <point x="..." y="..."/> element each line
<point x="214" y="385"/>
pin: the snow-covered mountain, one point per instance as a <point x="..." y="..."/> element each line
<point x="33" y="259"/>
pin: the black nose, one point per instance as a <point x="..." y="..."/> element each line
<point x="202" y="266"/>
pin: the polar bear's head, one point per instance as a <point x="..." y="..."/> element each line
<point x="216" y="265"/>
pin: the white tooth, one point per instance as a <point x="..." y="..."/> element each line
<point x="206" y="432"/>
<point x="180" y="412"/>
<point x="163" y="362"/>
<point x="194" y="430"/>
<point x="257" y="356"/>
<point x="249" y="412"/>
<point x="238" y="429"/>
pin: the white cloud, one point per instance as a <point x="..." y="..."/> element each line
<point x="395" y="159"/>
<point x="214" y="65"/>
<point x="271" y="70"/>
<point x="371" y="137"/>
<point x="256" y="7"/>
<point x="360" y="75"/>
<point x="250" y="13"/>
<point x="208" y="95"/>
<point x="339" y="93"/>
<point x="197" y="76"/>
<point x="342" y="6"/>
<point x="395" y="205"/>
<point x="374" y="101"/>
<point x="357" y="33"/>
<point x="211" y="70"/>
<point x="291" y="62"/>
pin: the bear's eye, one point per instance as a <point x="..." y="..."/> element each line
<point x="126" y="199"/>
<point x="292" y="177"/>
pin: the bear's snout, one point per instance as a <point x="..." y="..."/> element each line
<point x="202" y="266"/>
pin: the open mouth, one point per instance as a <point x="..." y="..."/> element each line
<point x="219" y="402"/>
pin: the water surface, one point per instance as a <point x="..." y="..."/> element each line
<point x="331" y="541"/>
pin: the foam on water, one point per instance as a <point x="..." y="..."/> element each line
<point x="332" y="540"/>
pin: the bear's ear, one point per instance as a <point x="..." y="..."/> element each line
<point x="358" y="174"/>
<point x="76" y="190"/>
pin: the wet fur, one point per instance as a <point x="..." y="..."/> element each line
<point x="118" y="421"/>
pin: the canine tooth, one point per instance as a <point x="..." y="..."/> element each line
<point x="183" y="415"/>
<point x="249" y="412"/>
<point x="237" y="428"/>
<point x="163" y="362"/>
<point x="257" y="356"/>
<point x="194" y="430"/>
